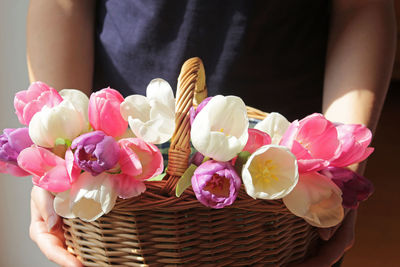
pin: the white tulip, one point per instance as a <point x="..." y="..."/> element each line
<point x="275" y="125"/>
<point x="62" y="121"/>
<point x="219" y="130"/>
<point x="79" y="100"/>
<point x="62" y="204"/>
<point x="89" y="198"/>
<point x="151" y="118"/>
<point x="270" y="172"/>
<point x="317" y="200"/>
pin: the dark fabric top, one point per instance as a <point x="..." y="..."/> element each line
<point x="271" y="52"/>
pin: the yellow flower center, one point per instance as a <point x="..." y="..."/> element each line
<point x="264" y="172"/>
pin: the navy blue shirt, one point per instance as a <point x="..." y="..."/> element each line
<point x="271" y="52"/>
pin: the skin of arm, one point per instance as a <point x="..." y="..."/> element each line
<point x="359" y="61"/>
<point x="360" y="57"/>
<point x="60" y="41"/>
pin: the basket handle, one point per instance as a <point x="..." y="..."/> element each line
<point x="191" y="90"/>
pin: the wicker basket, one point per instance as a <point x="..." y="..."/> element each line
<point x="159" y="229"/>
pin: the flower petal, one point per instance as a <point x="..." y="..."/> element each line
<point x="256" y="140"/>
<point x="355" y="188"/>
<point x="270" y="172"/>
<point x="49" y="171"/>
<point x="62" y="121"/>
<point x="220" y="128"/>
<point x="316" y="199"/>
<point x="127" y="186"/>
<point x="6" y="167"/>
<point x="136" y="106"/>
<point x="156" y="131"/>
<point x="62" y="205"/>
<point x="274" y="125"/>
<point x="160" y="90"/>
<point x="140" y="159"/>
<point x="92" y="196"/>
<point x="80" y="102"/>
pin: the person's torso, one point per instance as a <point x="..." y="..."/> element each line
<point x="271" y="53"/>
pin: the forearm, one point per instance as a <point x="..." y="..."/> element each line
<point x="60" y="37"/>
<point x="359" y="63"/>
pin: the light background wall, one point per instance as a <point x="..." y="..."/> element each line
<point x="16" y="248"/>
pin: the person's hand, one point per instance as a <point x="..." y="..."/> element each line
<point x="337" y="241"/>
<point x="46" y="229"/>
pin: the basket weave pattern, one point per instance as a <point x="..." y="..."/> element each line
<point x="159" y="229"/>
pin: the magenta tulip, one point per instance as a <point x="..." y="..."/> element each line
<point x="314" y="141"/>
<point x="355" y="188"/>
<point x="216" y="184"/>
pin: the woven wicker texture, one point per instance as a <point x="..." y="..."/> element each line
<point x="159" y="229"/>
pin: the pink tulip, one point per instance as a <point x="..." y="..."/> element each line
<point x="354" y="139"/>
<point x="314" y="141"/>
<point x="104" y="112"/>
<point x="49" y="171"/>
<point x="30" y="101"/>
<point x="138" y="161"/>
<point x="126" y="186"/>
<point x="15" y="170"/>
<point x="256" y="140"/>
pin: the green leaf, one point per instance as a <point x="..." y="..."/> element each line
<point x="68" y="142"/>
<point x="205" y="159"/>
<point x="60" y="141"/>
<point x="63" y="142"/>
<point x="242" y="158"/>
<point x="185" y="181"/>
<point x="158" y="177"/>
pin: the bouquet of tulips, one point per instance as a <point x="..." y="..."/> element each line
<point x="83" y="151"/>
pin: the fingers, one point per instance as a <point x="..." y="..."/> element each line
<point x="51" y="244"/>
<point x="331" y="251"/>
<point x="43" y="201"/>
<point x="52" y="247"/>
<point x="54" y="250"/>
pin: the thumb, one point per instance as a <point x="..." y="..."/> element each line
<point x="43" y="201"/>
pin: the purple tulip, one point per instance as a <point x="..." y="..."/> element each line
<point x="95" y="152"/>
<point x="194" y="111"/>
<point x="355" y="188"/>
<point x="216" y="184"/>
<point x="12" y="142"/>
